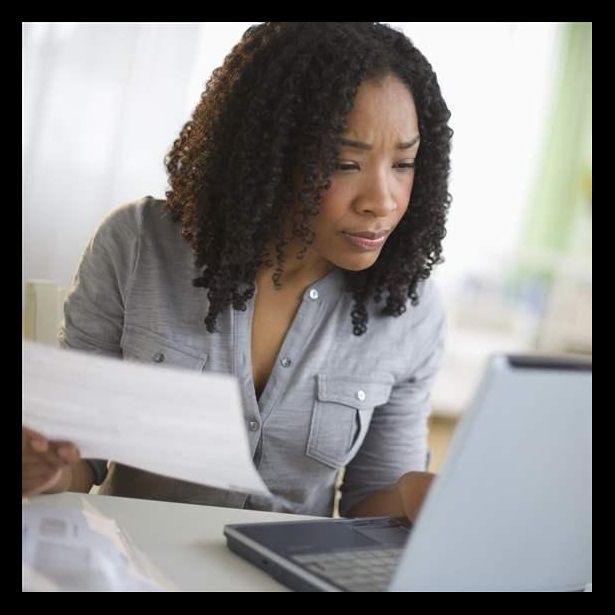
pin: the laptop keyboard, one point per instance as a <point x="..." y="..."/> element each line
<point x="364" y="570"/>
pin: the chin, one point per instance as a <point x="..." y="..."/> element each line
<point x="357" y="264"/>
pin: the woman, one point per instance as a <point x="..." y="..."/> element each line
<point x="307" y="201"/>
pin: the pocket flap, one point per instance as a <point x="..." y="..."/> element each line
<point x="357" y="392"/>
<point x="149" y="347"/>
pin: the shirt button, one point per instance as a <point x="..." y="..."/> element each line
<point x="253" y="425"/>
<point x="313" y="294"/>
<point x="361" y="395"/>
<point x="158" y="357"/>
<point x="285" y="362"/>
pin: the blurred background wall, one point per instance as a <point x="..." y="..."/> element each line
<point x="103" y="102"/>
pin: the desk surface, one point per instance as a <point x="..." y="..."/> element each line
<point x="184" y="542"/>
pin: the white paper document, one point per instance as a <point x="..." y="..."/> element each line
<point x="179" y="423"/>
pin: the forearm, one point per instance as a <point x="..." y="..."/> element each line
<point x="384" y="502"/>
<point x="405" y="498"/>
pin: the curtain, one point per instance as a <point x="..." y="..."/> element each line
<point x="102" y="103"/>
<point x="557" y="227"/>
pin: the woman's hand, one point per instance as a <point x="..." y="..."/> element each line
<point x="402" y="498"/>
<point x="412" y="488"/>
<point x="45" y="464"/>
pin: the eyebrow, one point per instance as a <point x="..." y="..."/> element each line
<point x="366" y="146"/>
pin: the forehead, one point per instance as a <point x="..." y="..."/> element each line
<point x="383" y="105"/>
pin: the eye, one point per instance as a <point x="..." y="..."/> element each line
<point x="346" y="167"/>
<point x="405" y="165"/>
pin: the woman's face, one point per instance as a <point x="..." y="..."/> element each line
<point x="370" y="188"/>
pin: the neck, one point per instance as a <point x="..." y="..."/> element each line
<point x="298" y="273"/>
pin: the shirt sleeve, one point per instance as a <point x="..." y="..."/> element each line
<point x="99" y="467"/>
<point x="397" y="439"/>
<point x="93" y="312"/>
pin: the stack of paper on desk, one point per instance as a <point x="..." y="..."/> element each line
<point x="65" y="549"/>
<point x="184" y="424"/>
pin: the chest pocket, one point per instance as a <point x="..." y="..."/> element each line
<point x="149" y="347"/>
<point x="341" y="416"/>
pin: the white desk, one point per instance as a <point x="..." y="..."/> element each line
<point x="183" y="541"/>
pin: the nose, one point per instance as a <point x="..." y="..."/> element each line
<point x="377" y="196"/>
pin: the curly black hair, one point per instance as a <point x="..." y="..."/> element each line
<point x="269" y="120"/>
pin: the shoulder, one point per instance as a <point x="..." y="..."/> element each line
<point x="411" y="343"/>
<point x="428" y="317"/>
<point x="428" y="310"/>
<point x="136" y="225"/>
<point x="142" y="214"/>
<point x="430" y="299"/>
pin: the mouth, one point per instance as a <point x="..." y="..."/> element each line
<point x="366" y="240"/>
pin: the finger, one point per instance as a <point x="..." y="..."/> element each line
<point x="38" y="445"/>
<point x="33" y="440"/>
<point x="68" y="452"/>
<point x="33" y="484"/>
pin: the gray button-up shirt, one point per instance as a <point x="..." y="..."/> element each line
<point x="333" y="400"/>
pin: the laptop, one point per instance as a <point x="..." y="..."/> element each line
<point x="510" y="509"/>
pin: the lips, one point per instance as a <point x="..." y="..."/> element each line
<point x="368" y="234"/>
<point x="366" y="240"/>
